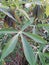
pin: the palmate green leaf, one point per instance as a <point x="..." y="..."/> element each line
<point x="6" y="30"/>
<point x="42" y="58"/>
<point x="28" y="51"/>
<point x="9" y="47"/>
<point x="35" y="37"/>
<point x="28" y="23"/>
<point x="5" y="11"/>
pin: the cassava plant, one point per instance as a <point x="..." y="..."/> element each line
<point x="33" y="41"/>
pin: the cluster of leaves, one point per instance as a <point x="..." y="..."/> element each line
<point x="35" y="55"/>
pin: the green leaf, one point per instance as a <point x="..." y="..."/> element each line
<point x="35" y="37"/>
<point x="46" y="55"/>
<point x="47" y="9"/>
<point x="2" y="62"/>
<point x="24" y="12"/>
<point x="28" y="23"/>
<point x="9" y="46"/>
<point x="28" y="51"/>
<point x="42" y="58"/>
<point x="2" y="6"/>
<point x="6" y="30"/>
<point x="43" y="25"/>
<point x="47" y="64"/>
<point x="46" y="26"/>
<point x="5" y="11"/>
<point x="35" y="59"/>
